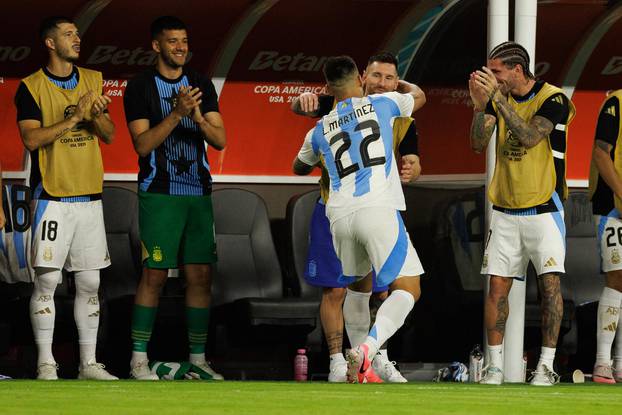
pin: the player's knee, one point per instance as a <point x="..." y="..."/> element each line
<point x="153" y="279"/>
<point x="614" y="280"/>
<point x="334" y="295"/>
<point x="409" y="284"/>
<point x="550" y="286"/>
<point x="363" y="285"/>
<point x="380" y="296"/>
<point x="199" y="282"/>
<point x="87" y="282"/>
<point x="46" y="282"/>
<point x="415" y="291"/>
<point x="203" y="285"/>
<point x="499" y="287"/>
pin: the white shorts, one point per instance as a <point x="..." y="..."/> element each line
<point x="69" y="235"/>
<point x="377" y="237"/>
<point x="514" y="240"/>
<point x="609" y="231"/>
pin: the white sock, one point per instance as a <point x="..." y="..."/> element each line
<point x="389" y="318"/>
<point x="607" y="324"/>
<point x="617" y="346"/>
<point x="197" y="358"/>
<point x="495" y="354"/>
<point x="138" y="357"/>
<point x="384" y="354"/>
<point x="336" y="358"/>
<point x="43" y="312"/>
<point x="86" y="313"/>
<point x="547" y="356"/>
<point x="356" y="316"/>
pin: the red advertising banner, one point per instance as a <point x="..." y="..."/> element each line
<point x="262" y="55"/>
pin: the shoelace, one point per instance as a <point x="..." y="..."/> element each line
<point x="487" y="369"/>
<point x="389" y="366"/>
<point x="338" y="367"/>
<point x="553" y="377"/>
<point x="607" y="369"/>
<point x="97" y="365"/>
<point x="54" y="365"/>
<point x="140" y="365"/>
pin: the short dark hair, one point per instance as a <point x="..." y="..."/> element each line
<point x="339" y="69"/>
<point x="512" y="54"/>
<point x="163" y="23"/>
<point x="50" y="24"/>
<point x="383" y="57"/>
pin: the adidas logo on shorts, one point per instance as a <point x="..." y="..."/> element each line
<point x="550" y="263"/>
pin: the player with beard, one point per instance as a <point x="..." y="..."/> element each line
<point x="529" y="183"/>
<point x="61" y="115"/>
<point x="172" y="112"/>
<point x="355" y="142"/>
<point x="339" y="304"/>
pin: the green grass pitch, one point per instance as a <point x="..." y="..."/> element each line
<point x="195" y="397"/>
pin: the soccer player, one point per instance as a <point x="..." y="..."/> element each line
<point x="528" y="185"/>
<point x="171" y="113"/>
<point x="2" y="217"/>
<point x="62" y="117"/>
<point x="324" y="268"/>
<point x="355" y="141"/>
<point x="2" y="222"/>
<point x="606" y="191"/>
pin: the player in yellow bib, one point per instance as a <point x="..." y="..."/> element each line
<point x="2" y="217"/>
<point x="62" y="117"/>
<point x="527" y="188"/>
<point x="605" y="192"/>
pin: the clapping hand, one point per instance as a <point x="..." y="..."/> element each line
<point x="188" y="101"/>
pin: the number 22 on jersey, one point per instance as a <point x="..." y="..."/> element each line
<point x="366" y="159"/>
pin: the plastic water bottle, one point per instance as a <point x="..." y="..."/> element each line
<point x="476" y="364"/>
<point x="301" y="364"/>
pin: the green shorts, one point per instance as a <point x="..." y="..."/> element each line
<point x="176" y="230"/>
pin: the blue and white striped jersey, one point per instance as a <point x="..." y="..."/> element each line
<point x="356" y="143"/>
<point x="179" y="165"/>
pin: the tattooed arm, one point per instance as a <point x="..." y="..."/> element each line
<point x="483" y="124"/>
<point x="482" y="127"/>
<point x="552" y="308"/>
<point x="35" y="136"/>
<point x="528" y="133"/>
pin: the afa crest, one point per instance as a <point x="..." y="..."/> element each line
<point x="157" y="254"/>
<point x="47" y="254"/>
<point x="615" y="256"/>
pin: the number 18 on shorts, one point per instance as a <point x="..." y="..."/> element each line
<point x="69" y="235"/>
